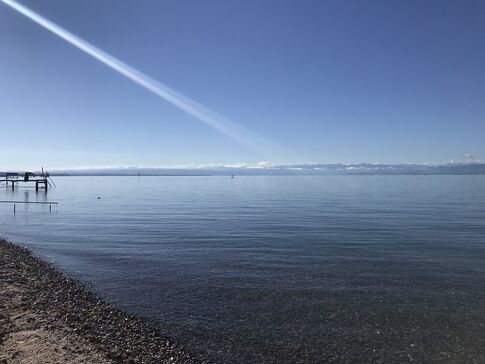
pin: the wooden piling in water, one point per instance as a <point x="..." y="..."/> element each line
<point x="50" y="203"/>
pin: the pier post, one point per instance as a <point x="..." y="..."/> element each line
<point x="36" y="186"/>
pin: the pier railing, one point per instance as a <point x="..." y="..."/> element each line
<point x="14" y="202"/>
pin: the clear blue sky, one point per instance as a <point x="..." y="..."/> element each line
<point x="332" y="81"/>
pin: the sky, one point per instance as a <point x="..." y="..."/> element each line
<point x="312" y="82"/>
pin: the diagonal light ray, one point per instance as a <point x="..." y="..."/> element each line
<point x="210" y="118"/>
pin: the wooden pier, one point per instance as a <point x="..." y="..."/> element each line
<point x="41" y="179"/>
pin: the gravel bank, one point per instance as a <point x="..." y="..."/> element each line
<point x="45" y="317"/>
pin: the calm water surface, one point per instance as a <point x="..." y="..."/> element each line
<point x="277" y="269"/>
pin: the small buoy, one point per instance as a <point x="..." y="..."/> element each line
<point x="99" y="198"/>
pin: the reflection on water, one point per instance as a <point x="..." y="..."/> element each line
<point x="277" y="269"/>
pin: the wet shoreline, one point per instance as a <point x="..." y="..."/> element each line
<point x="46" y="316"/>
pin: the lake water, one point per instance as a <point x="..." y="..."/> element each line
<point x="278" y="269"/>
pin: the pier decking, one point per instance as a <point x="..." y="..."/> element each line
<point x="41" y="179"/>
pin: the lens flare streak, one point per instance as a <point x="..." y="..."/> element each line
<point x="210" y="118"/>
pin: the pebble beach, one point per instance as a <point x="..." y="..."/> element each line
<point x="46" y="317"/>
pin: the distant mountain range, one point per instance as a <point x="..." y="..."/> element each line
<point x="293" y="169"/>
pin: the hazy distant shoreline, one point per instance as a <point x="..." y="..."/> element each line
<point x="286" y="170"/>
